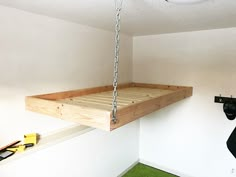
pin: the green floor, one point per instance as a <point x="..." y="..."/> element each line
<point x="141" y="170"/>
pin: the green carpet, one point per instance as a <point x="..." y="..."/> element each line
<point x="141" y="170"/>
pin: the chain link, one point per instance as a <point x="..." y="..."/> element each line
<point x="118" y="6"/>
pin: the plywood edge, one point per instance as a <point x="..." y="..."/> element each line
<point x="138" y="110"/>
<point x="79" y="92"/>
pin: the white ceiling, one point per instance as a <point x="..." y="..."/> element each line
<point x="139" y="17"/>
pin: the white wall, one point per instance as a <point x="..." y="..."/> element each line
<point x="39" y="54"/>
<point x="190" y="136"/>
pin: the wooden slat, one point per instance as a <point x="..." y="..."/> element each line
<point x="88" y="105"/>
<point x="118" y="98"/>
<point x="109" y="100"/>
<point x="90" y="102"/>
<point x="121" y="103"/>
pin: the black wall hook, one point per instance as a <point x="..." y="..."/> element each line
<point x="229" y="106"/>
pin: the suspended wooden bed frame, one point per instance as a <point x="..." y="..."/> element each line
<point x="93" y="106"/>
<point x="108" y="107"/>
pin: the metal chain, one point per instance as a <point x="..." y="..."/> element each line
<point x="118" y="6"/>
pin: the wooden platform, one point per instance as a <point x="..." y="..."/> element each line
<point x="92" y="106"/>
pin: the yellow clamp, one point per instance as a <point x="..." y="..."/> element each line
<point x="29" y="141"/>
<point x="31" y="138"/>
<point x="19" y="148"/>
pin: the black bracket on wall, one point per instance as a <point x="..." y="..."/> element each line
<point x="220" y="99"/>
<point x="229" y="106"/>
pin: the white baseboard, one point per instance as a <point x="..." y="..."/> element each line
<point x="168" y="170"/>
<point x="126" y="170"/>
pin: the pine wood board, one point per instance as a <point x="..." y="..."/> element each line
<point x="92" y="106"/>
